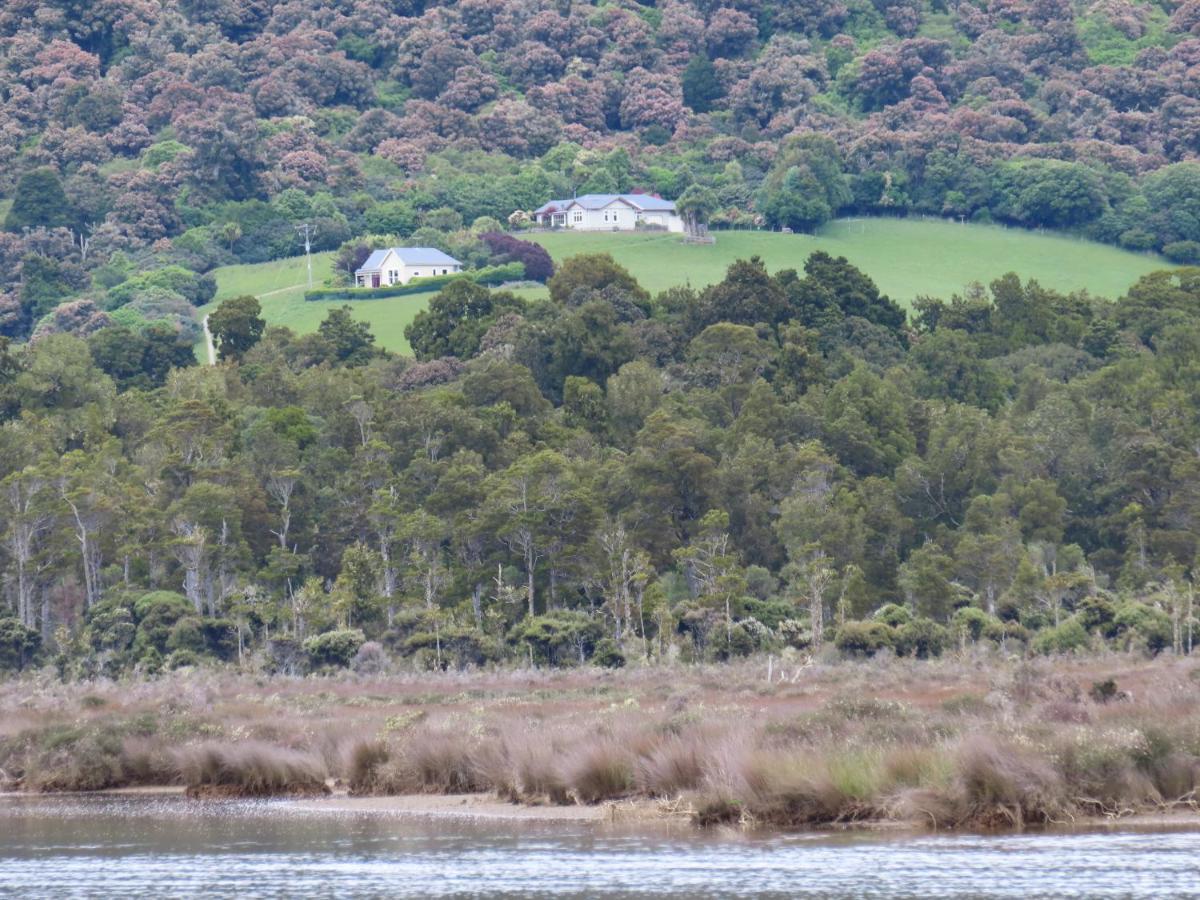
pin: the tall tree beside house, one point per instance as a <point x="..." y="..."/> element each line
<point x="695" y="206"/>
<point x="39" y="202"/>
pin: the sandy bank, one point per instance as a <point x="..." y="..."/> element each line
<point x="656" y="814"/>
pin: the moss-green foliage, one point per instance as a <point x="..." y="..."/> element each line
<point x="1068" y="637"/>
<point x="865" y="638"/>
<point x="19" y="646"/>
<point x="333" y="649"/>
<point x="1139" y="624"/>
<point x="1107" y="45"/>
<point x="196" y="289"/>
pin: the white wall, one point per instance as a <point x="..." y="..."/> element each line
<point x="394" y="271"/>
<point x="406" y="273"/>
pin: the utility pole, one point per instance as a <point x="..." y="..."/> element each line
<point x="307" y="230"/>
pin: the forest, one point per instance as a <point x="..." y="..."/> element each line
<point x="144" y="142"/>
<point x="781" y="460"/>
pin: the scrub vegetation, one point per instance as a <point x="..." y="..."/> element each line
<point x="977" y="741"/>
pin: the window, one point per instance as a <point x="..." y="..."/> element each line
<point x="445" y="271"/>
<point x="578" y="217"/>
<point x="416" y="274"/>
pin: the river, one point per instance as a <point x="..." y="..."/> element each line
<point x="169" y="847"/>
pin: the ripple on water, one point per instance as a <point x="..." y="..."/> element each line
<point x="163" y="846"/>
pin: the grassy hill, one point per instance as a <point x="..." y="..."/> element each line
<point x="906" y="257"/>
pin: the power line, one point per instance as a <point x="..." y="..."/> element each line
<point x="308" y="231"/>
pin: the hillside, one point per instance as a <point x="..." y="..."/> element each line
<point x="431" y="121"/>
<point x="905" y="257"/>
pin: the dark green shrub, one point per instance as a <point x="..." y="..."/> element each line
<point x="769" y="612"/>
<point x="922" y="638"/>
<point x="559" y="637"/>
<point x="111" y="627"/>
<point x="893" y="614"/>
<point x="220" y="638"/>
<point x="864" y="638"/>
<point x="19" y="646"/>
<point x="156" y="614"/>
<point x="1135" y="622"/>
<point x="608" y="654"/>
<point x="972" y="622"/>
<point x="1097" y="614"/>
<point x="181" y="658"/>
<point x="334" y="649"/>
<point x="1066" y="638"/>
<point x="186" y="634"/>
<point x="1184" y="252"/>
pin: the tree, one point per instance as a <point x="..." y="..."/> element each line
<point x="19" y="645"/>
<point x="695" y="205"/>
<point x="28" y="514"/>
<point x="531" y="503"/>
<point x="593" y="272"/>
<point x="925" y="578"/>
<point x="457" y="318"/>
<point x="39" y="202"/>
<point x="236" y="326"/>
<point x="701" y="87"/>
<point x="344" y="340"/>
<point x="710" y="563"/>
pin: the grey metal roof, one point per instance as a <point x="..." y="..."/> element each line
<point x="373" y="262"/>
<point x="552" y="205"/>
<point x="410" y="256"/>
<point x="599" y="201"/>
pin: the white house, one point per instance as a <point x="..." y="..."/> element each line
<point x="609" y="212"/>
<point x="399" y="265"/>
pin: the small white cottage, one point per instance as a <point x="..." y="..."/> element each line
<point x="399" y="265"/>
<point x="609" y="212"/>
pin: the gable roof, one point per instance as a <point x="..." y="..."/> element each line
<point x="373" y="262"/>
<point x="599" y="201"/>
<point x="425" y="256"/>
<point x="409" y="256"/>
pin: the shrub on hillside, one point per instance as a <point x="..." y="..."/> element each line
<point x="506" y="248"/>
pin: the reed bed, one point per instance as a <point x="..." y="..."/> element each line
<point x="968" y="743"/>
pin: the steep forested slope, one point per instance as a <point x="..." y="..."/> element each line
<point x="200" y="132"/>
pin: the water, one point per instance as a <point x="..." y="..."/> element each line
<point x="156" y="847"/>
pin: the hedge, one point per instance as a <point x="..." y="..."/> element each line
<point x="490" y="275"/>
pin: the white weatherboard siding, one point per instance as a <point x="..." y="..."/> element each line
<point x="609" y="212"/>
<point x="399" y="265"/>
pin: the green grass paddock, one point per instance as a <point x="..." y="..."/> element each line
<point x="905" y="257"/>
<point x="280" y="286"/>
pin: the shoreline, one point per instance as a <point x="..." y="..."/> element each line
<point x="654" y="815"/>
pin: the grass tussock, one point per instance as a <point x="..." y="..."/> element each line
<point x="822" y="744"/>
<point x="251" y="769"/>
